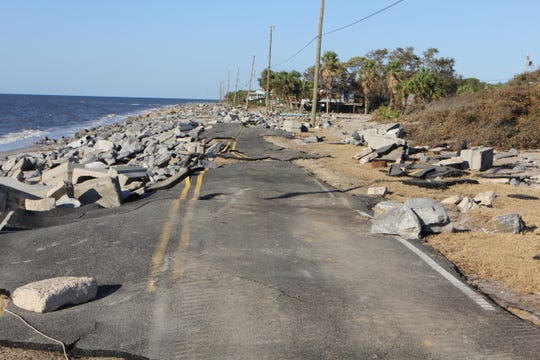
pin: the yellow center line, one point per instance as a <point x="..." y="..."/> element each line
<point x="159" y="253"/>
<point x="236" y="136"/>
<point x="186" y="228"/>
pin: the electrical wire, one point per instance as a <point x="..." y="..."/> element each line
<point x="338" y="29"/>
<point x="39" y="332"/>
<point x="363" y="19"/>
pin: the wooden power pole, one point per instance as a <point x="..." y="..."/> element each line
<point x="236" y="85"/>
<point x="250" y="79"/>
<point x="268" y="106"/>
<point x="317" y="66"/>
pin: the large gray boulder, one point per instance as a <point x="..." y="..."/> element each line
<point x="399" y="220"/>
<point x="104" y="191"/>
<point x="51" y="294"/>
<point x="431" y="214"/>
<point x="510" y="223"/>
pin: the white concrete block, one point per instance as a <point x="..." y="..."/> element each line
<point x="51" y="294"/>
<point x="44" y="204"/>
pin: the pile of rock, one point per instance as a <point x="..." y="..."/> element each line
<point x="461" y="207"/>
<point x="383" y="143"/>
<point x="419" y="216"/>
<point x="385" y="146"/>
<point x="108" y="165"/>
<point x="411" y="219"/>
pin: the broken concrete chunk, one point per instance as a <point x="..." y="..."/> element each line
<point x="466" y="204"/>
<point x="503" y="155"/>
<point x="128" y="173"/>
<point x="51" y="294"/>
<point x="431" y="214"/>
<point x="104" y="191"/>
<point x="62" y="172"/>
<point x="61" y="189"/>
<point x="385" y="206"/>
<point x="81" y="174"/>
<point x="478" y="158"/>
<point x="485" y="198"/>
<point x="376" y="141"/>
<point x="452" y="200"/>
<point x="312" y="139"/>
<point x="366" y="159"/>
<point x="363" y="153"/>
<point x="455" y="162"/>
<point x="171" y="181"/>
<point x="103" y="145"/>
<point x="377" y="190"/>
<point x="68" y="202"/>
<point x="14" y="193"/>
<point x="511" y="223"/>
<point x="45" y="204"/>
<point x="400" y="221"/>
<point x="96" y="165"/>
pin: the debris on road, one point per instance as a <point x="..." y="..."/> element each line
<point x="50" y="294"/>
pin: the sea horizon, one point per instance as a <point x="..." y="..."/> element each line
<point x="27" y="118"/>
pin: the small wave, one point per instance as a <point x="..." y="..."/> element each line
<point x="21" y="135"/>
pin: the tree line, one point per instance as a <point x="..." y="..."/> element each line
<point x="379" y="78"/>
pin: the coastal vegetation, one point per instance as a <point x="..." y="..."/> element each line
<point x="424" y="93"/>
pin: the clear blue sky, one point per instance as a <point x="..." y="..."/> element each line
<point x="183" y="49"/>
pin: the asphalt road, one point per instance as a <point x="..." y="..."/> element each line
<point x="252" y="260"/>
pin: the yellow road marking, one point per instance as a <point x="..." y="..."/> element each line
<point x="159" y="253"/>
<point x="186" y="228"/>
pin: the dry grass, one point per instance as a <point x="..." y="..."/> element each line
<point x="505" y="258"/>
<point x="502" y="118"/>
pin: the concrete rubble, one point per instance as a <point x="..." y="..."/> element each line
<point x="410" y="219"/>
<point x="116" y="163"/>
<point x="384" y="145"/>
<point x="110" y="164"/>
<point x="51" y="294"/>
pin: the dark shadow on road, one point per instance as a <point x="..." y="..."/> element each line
<point x="295" y="194"/>
<point x="210" y="196"/>
<point x="106" y="290"/>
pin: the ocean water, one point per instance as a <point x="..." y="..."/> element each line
<point x="25" y="119"/>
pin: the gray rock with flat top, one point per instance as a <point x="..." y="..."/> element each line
<point x="510" y="223"/>
<point x="400" y="220"/>
<point x="431" y="214"/>
<point x="50" y="294"/>
<point x="104" y="191"/>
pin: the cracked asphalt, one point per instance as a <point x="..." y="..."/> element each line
<point x="255" y="259"/>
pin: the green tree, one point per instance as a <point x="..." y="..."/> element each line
<point x="425" y="85"/>
<point x="393" y="81"/>
<point x="443" y="69"/>
<point x="330" y="70"/>
<point x="368" y="80"/>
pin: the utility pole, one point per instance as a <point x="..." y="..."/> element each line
<point x="528" y="63"/>
<point x="221" y="91"/>
<point x="228" y="81"/>
<point x="268" y="106"/>
<point x="317" y="66"/>
<point x="250" y="79"/>
<point x="236" y="85"/>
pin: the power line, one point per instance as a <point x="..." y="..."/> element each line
<point x="336" y="30"/>
<point x="363" y="19"/>
<point x="296" y="53"/>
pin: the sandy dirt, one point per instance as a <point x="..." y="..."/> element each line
<point x="8" y="353"/>
<point x="498" y="263"/>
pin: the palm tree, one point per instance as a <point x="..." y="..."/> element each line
<point x="393" y="80"/>
<point x="330" y="69"/>
<point x="368" y="79"/>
